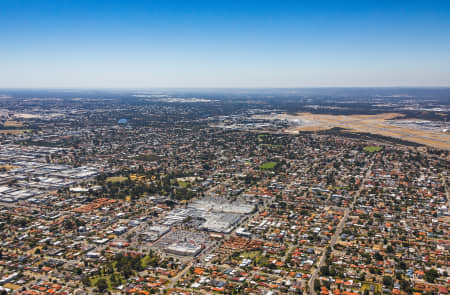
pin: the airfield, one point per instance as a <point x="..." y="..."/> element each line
<point x="387" y="124"/>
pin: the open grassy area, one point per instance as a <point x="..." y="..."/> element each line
<point x="116" y="179"/>
<point x="250" y="254"/>
<point x="373" y="149"/>
<point x="272" y="145"/>
<point x="106" y="277"/>
<point x="149" y="260"/>
<point x="261" y="136"/>
<point x="262" y="261"/>
<point x="378" y="288"/>
<point x="268" y="165"/>
<point x="183" y="183"/>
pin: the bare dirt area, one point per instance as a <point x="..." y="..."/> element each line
<point x="13" y="124"/>
<point x="14" y="131"/>
<point x="380" y="124"/>
<point x="26" y="116"/>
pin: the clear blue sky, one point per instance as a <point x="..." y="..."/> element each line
<point x="144" y="44"/>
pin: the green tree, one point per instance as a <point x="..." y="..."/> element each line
<point x="431" y="275"/>
<point x="102" y="285"/>
<point x="316" y="285"/>
<point x="387" y="281"/>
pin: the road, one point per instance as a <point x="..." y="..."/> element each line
<point x="179" y="275"/>
<point x="444" y="181"/>
<point x="289" y="250"/>
<point x="338" y="232"/>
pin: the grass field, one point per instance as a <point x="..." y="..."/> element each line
<point x="95" y="279"/>
<point x="147" y="260"/>
<point x="268" y="165"/>
<point x="372" y="149"/>
<point x="116" y="179"/>
<point x="183" y="183"/>
<point x="251" y="254"/>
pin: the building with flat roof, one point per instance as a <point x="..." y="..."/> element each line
<point x="185" y="248"/>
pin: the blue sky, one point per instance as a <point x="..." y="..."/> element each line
<point x="145" y="44"/>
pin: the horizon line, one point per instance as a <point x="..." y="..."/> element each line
<point x="149" y="88"/>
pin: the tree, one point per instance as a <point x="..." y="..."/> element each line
<point x="405" y="285"/>
<point x="431" y="275"/>
<point x="324" y="270"/>
<point x="362" y="277"/>
<point x="389" y="249"/>
<point x="378" y="256"/>
<point x="86" y="281"/>
<point x="102" y="285"/>
<point x="387" y="281"/>
<point x="316" y="285"/>
<point x="113" y="279"/>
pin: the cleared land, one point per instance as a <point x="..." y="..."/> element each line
<point x="116" y="179"/>
<point x="13" y="124"/>
<point x="26" y="116"/>
<point x="7" y="167"/>
<point x="14" y="131"/>
<point x="375" y="124"/>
